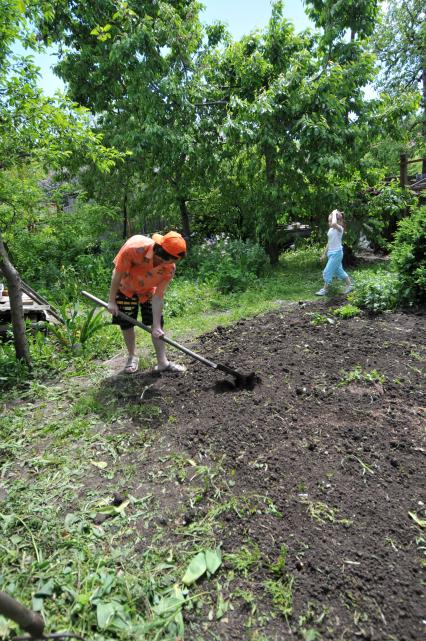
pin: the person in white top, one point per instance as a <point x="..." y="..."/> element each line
<point x="334" y="253"/>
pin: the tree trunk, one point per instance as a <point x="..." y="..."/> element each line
<point x="403" y="170"/>
<point x="349" y="258"/>
<point x="16" y="309"/>
<point x="125" y="216"/>
<point x="273" y="250"/>
<point x="184" y="215"/>
<point x="424" y="111"/>
<point x="270" y="221"/>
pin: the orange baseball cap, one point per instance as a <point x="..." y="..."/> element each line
<point x="173" y="243"/>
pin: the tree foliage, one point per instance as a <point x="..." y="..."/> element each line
<point x="400" y="42"/>
<point x="33" y="129"/>
<point x="409" y="257"/>
<point x="223" y="135"/>
<point x="296" y="121"/>
<point x="138" y="68"/>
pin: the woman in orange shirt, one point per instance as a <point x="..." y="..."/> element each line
<point x="143" y="269"/>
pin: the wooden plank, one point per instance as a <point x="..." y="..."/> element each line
<point x="39" y="299"/>
<point x="28" y="307"/>
<point x="415" y="160"/>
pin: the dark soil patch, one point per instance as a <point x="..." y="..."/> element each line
<point x="339" y="467"/>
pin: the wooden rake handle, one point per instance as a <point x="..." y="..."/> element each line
<point x="27" y="619"/>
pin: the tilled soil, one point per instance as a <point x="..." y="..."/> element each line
<point x="333" y="440"/>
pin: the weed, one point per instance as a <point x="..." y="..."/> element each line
<point x="248" y="598"/>
<point x="246" y="559"/>
<point x="309" y="635"/>
<point x="421" y="546"/>
<point x="310" y="617"/>
<point x="77" y="329"/>
<point x="178" y="469"/>
<point x="366" y="468"/>
<point x="320" y="319"/>
<point x="279" y="565"/>
<point x="391" y="542"/>
<point x="358" y="374"/>
<point x="347" y="311"/>
<point x="322" y="513"/>
<point x="281" y="591"/>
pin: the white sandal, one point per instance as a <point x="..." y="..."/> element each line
<point x="171" y="367"/>
<point x="132" y="365"/>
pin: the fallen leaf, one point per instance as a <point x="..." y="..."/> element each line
<point x="100" y="464"/>
<point x="420" y="522"/>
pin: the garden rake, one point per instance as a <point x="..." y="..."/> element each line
<point x="242" y="381"/>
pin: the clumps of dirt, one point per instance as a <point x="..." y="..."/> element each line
<point x="238" y="381"/>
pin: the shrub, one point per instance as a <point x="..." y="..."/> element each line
<point x="408" y="258"/>
<point x="174" y="303"/>
<point x="63" y="245"/>
<point x="376" y="293"/>
<point x="384" y="210"/>
<point x="229" y="265"/>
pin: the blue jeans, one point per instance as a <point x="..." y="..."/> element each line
<point x="334" y="267"/>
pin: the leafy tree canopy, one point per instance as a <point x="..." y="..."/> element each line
<point x="400" y="42"/>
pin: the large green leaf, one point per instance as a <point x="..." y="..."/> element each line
<point x="105" y="612"/>
<point x="46" y="589"/>
<point x="195" y="569"/>
<point x="213" y="560"/>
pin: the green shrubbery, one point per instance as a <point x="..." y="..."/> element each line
<point x="376" y="293"/>
<point x="62" y="250"/>
<point x="383" y="211"/>
<point x="228" y="265"/>
<point x="409" y="258"/>
<point x="405" y="284"/>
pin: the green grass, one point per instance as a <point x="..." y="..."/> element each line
<point x="62" y="461"/>
<point x="281" y="592"/>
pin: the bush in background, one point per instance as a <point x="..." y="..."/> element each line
<point x="64" y="248"/>
<point x="384" y="210"/>
<point x="405" y="284"/>
<point x="408" y="258"/>
<point x="377" y="293"/>
<point x="228" y="265"/>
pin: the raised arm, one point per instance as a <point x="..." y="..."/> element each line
<point x="334" y="224"/>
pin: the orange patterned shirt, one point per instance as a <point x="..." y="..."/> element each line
<point x="139" y="276"/>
